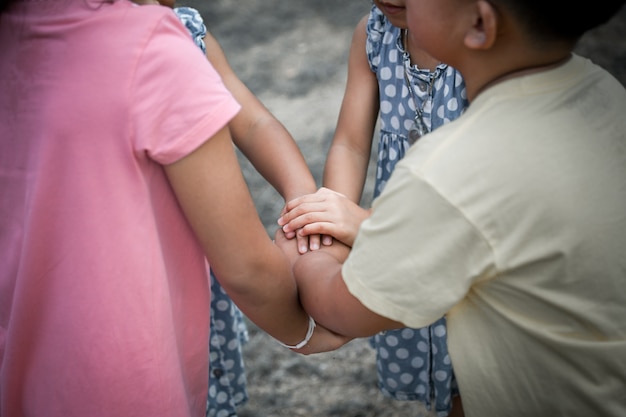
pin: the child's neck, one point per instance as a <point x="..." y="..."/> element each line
<point x="519" y="72"/>
<point x="418" y="57"/>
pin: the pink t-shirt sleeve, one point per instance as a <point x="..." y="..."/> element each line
<point x="178" y="99"/>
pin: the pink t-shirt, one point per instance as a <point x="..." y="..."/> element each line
<point x="104" y="296"/>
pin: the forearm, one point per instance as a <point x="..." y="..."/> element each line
<point x="265" y="291"/>
<point x="261" y="137"/>
<point x="273" y="305"/>
<point x="321" y="288"/>
<point x="345" y="170"/>
<point x="275" y="155"/>
<point x="326" y="297"/>
<point x="349" y="154"/>
<point x="254" y="272"/>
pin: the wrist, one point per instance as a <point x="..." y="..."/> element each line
<point x="307" y="337"/>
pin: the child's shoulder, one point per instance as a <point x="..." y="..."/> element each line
<point x="188" y="13"/>
<point x="379" y="28"/>
<point x="377" y="22"/>
<point x="192" y="19"/>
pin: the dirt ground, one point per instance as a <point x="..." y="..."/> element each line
<point x="293" y="55"/>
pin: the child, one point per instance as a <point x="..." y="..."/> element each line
<point x="272" y="150"/>
<point x="413" y="93"/>
<point x="118" y="181"/>
<point x="509" y="220"/>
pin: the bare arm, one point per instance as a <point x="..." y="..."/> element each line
<point x="260" y="136"/>
<point x="254" y="272"/>
<point x="264" y="140"/>
<point x="257" y="133"/>
<point x="325" y="295"/>
<point x="329" y="211"/>
<point x="348" y="157"/>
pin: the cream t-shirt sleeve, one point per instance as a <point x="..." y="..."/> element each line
<point x="417" y="255"/>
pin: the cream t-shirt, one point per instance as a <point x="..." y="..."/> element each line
<point x="512" y="221"/>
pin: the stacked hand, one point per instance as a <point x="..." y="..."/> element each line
<point x="327" y="213"/>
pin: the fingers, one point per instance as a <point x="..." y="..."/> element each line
<point x="289" y="235"/>
<point x="320" y="201"/>
<point x="308" y="239"/>
<point x="325" y="213"/>
<point x="294" y="221"/>
<point x="317" y="228"/>
<point x="314" y="224"/>
<point x="302" y="209"/>
<point x="314" y="242"/>
<point x="304" y="243"/>
<point x="320" y="196"/>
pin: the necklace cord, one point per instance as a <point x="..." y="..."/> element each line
<point x="419" y="127"/>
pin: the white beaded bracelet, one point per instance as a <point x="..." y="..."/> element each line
<point x="309" y="333"/>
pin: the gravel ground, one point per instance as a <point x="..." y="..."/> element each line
<point x="293" y="55"/>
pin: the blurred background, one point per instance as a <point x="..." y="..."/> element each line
<point x="293" y="55"/>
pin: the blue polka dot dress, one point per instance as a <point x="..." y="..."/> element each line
<point x="412" y="364"/>
<point x="228" y="331"/>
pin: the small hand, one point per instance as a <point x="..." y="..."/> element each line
<point x="325" y="212"/>
<point x="310" y="241"/>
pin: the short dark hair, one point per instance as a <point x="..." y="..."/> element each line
<point x="557" y="20"/>
<point x="4" y="4"/>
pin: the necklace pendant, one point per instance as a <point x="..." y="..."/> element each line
<point x="416" y="131"/>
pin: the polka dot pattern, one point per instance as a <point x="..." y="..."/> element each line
<point x="228" y="333"/>
<point x="446" y="101"/>
<point x="412" y="364"/>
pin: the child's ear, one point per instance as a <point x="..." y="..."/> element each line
<point x="482" y="34"/>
